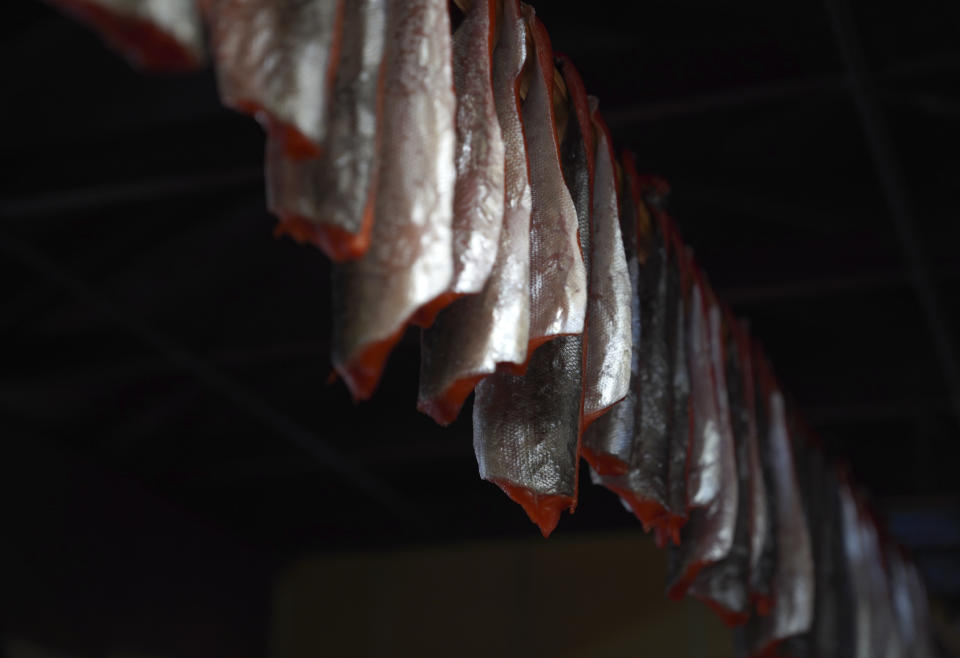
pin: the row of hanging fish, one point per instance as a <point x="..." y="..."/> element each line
<point x="464" y="182"/>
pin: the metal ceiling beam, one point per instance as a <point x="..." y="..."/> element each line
<point x="247" y="401"/>
<point x="894" y="189"/>
<point x="748" y="96"/>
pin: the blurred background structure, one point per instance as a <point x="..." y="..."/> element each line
<point x="179" y="480"/>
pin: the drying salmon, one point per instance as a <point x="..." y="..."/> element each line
<point x="558" y="279"/>
<point x="276" y="60"/>
<point x="724" y="585"/>
<point x="793" y="577"/>
<point x="526" y="429"/>
<point x="478" y="199"/>
<point x="680" y="412"/>
<point x="609" y="341"/>
<point x="708" y="536"/>
<point x="477" y="332"/>
<point x="608" y="441"/>
<point x="642" y="481"/>
<point x="410" y="261"/>
<point x="155" y="35"/>
<point x="328" y="200"/>
<point x="743" y="396"/>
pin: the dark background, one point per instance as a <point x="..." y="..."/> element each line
<point x="169" y="437"/>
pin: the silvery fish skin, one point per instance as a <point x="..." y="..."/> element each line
<point x="329" y="200"/>
<point x="609" y="339"/>
<point x="705" y="467"/>
<point x="644" y="487"/>
<point x="478" y="199"/>
<point x="793" y="578"/>
<point x="526" y="429"/>
<point x="410" y="260"/>
<point x="558" y="279"/>
<point x="724" y="584"/>
<point x="477" y="332"/>
<point x="855" y="554"/>
<point x="708" y="537"/>
<point x="277" y="59"/>
<point x="763" y="562"/>
<point x="608" y="441"/>
<point x="151" y="34"/>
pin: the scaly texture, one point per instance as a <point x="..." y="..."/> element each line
<point x="526" y="428"/>
<point x="558" y="280"/>
<point x="477" y="332"/>
<point x="160" y="35"/>
<point x="276" y="59"/>
<point x="608" y="441"/>
<point x="609" y="339"/>
<point x="410" y="260"/>
<point x="478" y="199"/>
<point x="525" y="432"/>
<point x="329" y="200"/>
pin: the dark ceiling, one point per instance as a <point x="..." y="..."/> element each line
<point x="155" y="330"/>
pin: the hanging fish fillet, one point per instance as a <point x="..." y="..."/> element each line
<point x="157" y="35"/>
<point x="833" y="608"/>
<point x="276" y="60"/>
<point x="724" y="585"/>
<point x="763" y="561"/>
<point x="328" y="200"/>
<point x="478" y="199"/>
<point x="793" y="577"/>
<point x="754" y="492"/>
<point x="477" y="332"/>
<point x="708" y="537"/>
<point x="578" y="151"/>
<point x="410" y="260"/>
<point x="526" y="429"/>
<point x="640" y="442"/>
<point x="558" y="279"/>
<point x="609" y="340"/>
<point x="678" y="289"/>
<point x="608" y="441"/>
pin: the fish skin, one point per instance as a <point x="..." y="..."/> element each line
<point x="526" y="429"/>
<point x="477" y="332"/>
<point x="724" y="585"/>
<point x="608" y="441"/>
<point x="479" y="192"/>
<point x="609" y="340"/>
<point x="329" y="200"/>
<point x="793" y="586"/>
<point x="558" y="278"/>
<point x="276" y="60"/>
<point x="708" y="536"/>
<point x="643" y="487"/>
<point x="764" y="562"/>
<point x="754" y="492"/>
<point x="153" y="35"/>
<point x="410" y="261"/>
<point x="705" y="467"/>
